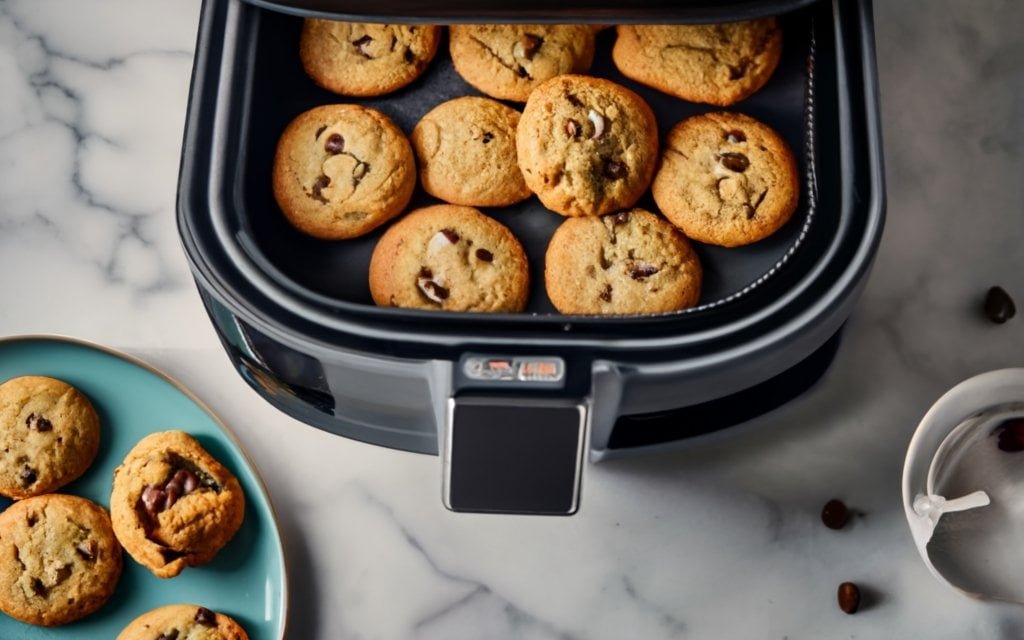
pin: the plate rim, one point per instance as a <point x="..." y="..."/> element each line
<point x="127" y="357"/>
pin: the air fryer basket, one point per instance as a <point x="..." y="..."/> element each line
<point x="294" y="312"/>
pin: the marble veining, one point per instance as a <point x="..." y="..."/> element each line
<point x="718" y="539"/>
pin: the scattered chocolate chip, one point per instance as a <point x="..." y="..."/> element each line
<point x="361" y="45"/>
<point x="433" y="291"/>
<point x="641" y="270"/>
<point x="606" y="294"/>
<point x="206" y="617"/>
<point x="999" y="306"/>
<point x="42" y="424"/>
<point x="426" y="273"/>
<point x="488" y="136"/>
<point x="1011" y="435"/>
<point x="450" y="235"/>
<point x="87" y="549"/>
<point x="621" y="217"/>
<point x="319" y="131"/>
<point x="335" y="144"/>
<point x="835" y="514"/>
<point x="848" y="597"/>
<point x="188" y="480"/>
<point x="598" y="121"/>
<point x="735" y="136"/>
<point x="318" y="186"/>
<point x="527" y="46"/>
<point x="734" y="161"/>
<point x="409" y="56"/>
<point x="572" y="128"/>
<point x="614" y="170"/>
<point x="28" y="477"/>
<point x="573" y="100"/>
<point x="484" y="255"/>
<point x="168" y="635"/>
<point x="39" y="588"/>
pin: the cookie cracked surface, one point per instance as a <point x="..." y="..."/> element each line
<point x="726" y="179"/>
<point x="717" y="64"/>
<point x="621" y="263"/>
<point x="183" y="622"/>
<point x="59" y="560"/>
<point x="173" y="505"/>
<point x="49" y="435"/>
<point x="365" y="59"/>
<point x="586" y="146"/>
<point x="342" y="170"/>
<point x="510" y="61"/>
<point x="451" y="258"/>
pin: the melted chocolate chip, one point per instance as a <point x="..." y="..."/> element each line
<point x="572" y="128"/>
<point x="450" y="235"/>
<point x="39" y="588"/>
<point x="641" y="270"/>
<point x="318" y="186"/>
<point x="573" y="100"/>
<point x="488" y="136"/>
<point x="999" y="306"/>
<point x="614" y="170"/>
<point x="32" y="519"/>
<point x="835" y="514"/>
<point x="87" y="549"/>
<point x="168" y="635"/>
<point x="361" y="45"/>
<point x="848" y="597"/>
<point x="206" y="617"/>
<point x="530" y="43"/>
<point x="437" y="289"/>
<point x="484" y="255"/>
<point x="319" y="131"/>
<point x="521" y="71"/>
<point x="606" y="294"/>
<point x="734" y="161"/>
<point x="335" y="144"/>
<point x="735" y="136"/>
<point x="27" y="476"/>
<point x="39" y="423"/>
<point x="426" y="273"/>
<point x="409" y="56"/>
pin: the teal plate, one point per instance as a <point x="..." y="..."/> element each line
<point x="246" y="580"/>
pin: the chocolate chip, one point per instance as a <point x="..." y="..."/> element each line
<point x="172" y="492"/>
<point x="606" y="295"/>
<point x="734" y="161"/>
<point x="484" y="255"/>
<point x="318" y="186"/>
<point x="433" y="291"/>
<point x="189" y="481"/>
<point x="1011" y="435"/>
<point x="168" y="635"/>
<point x="488" y="136"/>
<point x="999" y="306"/>
<point x="614" y="170"/>
<point x="426" y="273"/>
<point x="735" y="136"/>
<point x="641" y="270"/>
<point x="835" y="514"/>
<point x="319" y="131"/>
<point x="848" y="597"/>
<point x="451" y="235"/>
<point x="572" y="128"/>
<point x="361" y="45"/>
<point x="521" y="72"/>
<point x="206" y="617"/>
<point x="527" y="46"/>
<point x="28" y="477"/>
<point x="738" y="71"/>
<point x="39" y="588"/>
<point x="409" y="56"/>
<point x="153" y="499"/>
<point x="32" y="519"/>
<point x="42" y="424"/>
<point x="87" y="549"/>
<point x="573" y="100"/>
<point x="335" y="144"/>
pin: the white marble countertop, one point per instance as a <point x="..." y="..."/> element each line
<point x="720" y="540"/>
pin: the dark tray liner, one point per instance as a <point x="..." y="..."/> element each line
<point x="324" y="271"/>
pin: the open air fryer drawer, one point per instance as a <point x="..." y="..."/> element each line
<point x="516" y="403"/>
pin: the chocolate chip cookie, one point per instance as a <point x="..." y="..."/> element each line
<point x="467" y="153"/>
<point x="718" y="64"/>
<point x="342" y="170"/>
<point x="183" y="622"/>
<point x="363" y="59"/>
<point x="726" y="179"/>
<point x="173" y="505"/>
<point x="49" y="435"/>
<point x="510" y="61"/>
<point x="59" y="560"/>
<point x="450" y="258"/>
<point x="621" y="263"/>
<point x="586" y="146"/>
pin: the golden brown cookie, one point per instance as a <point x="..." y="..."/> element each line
<point x="59" y="560"/>
<point x="586" y="146"/>
<point x="173" y="505"/>
<point x="342" y="170"/>
<point x="183" y="622"/>
<point x="466" y="149"/>
<point x="726" y="179"/>
<point x="621" y="263"/>
<point x="450" y="258"/>
<point x="718" y="64"/>
<point x="364" y="59"/>
<point x="508" y="61"/>
<point x="49" y="434"/>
